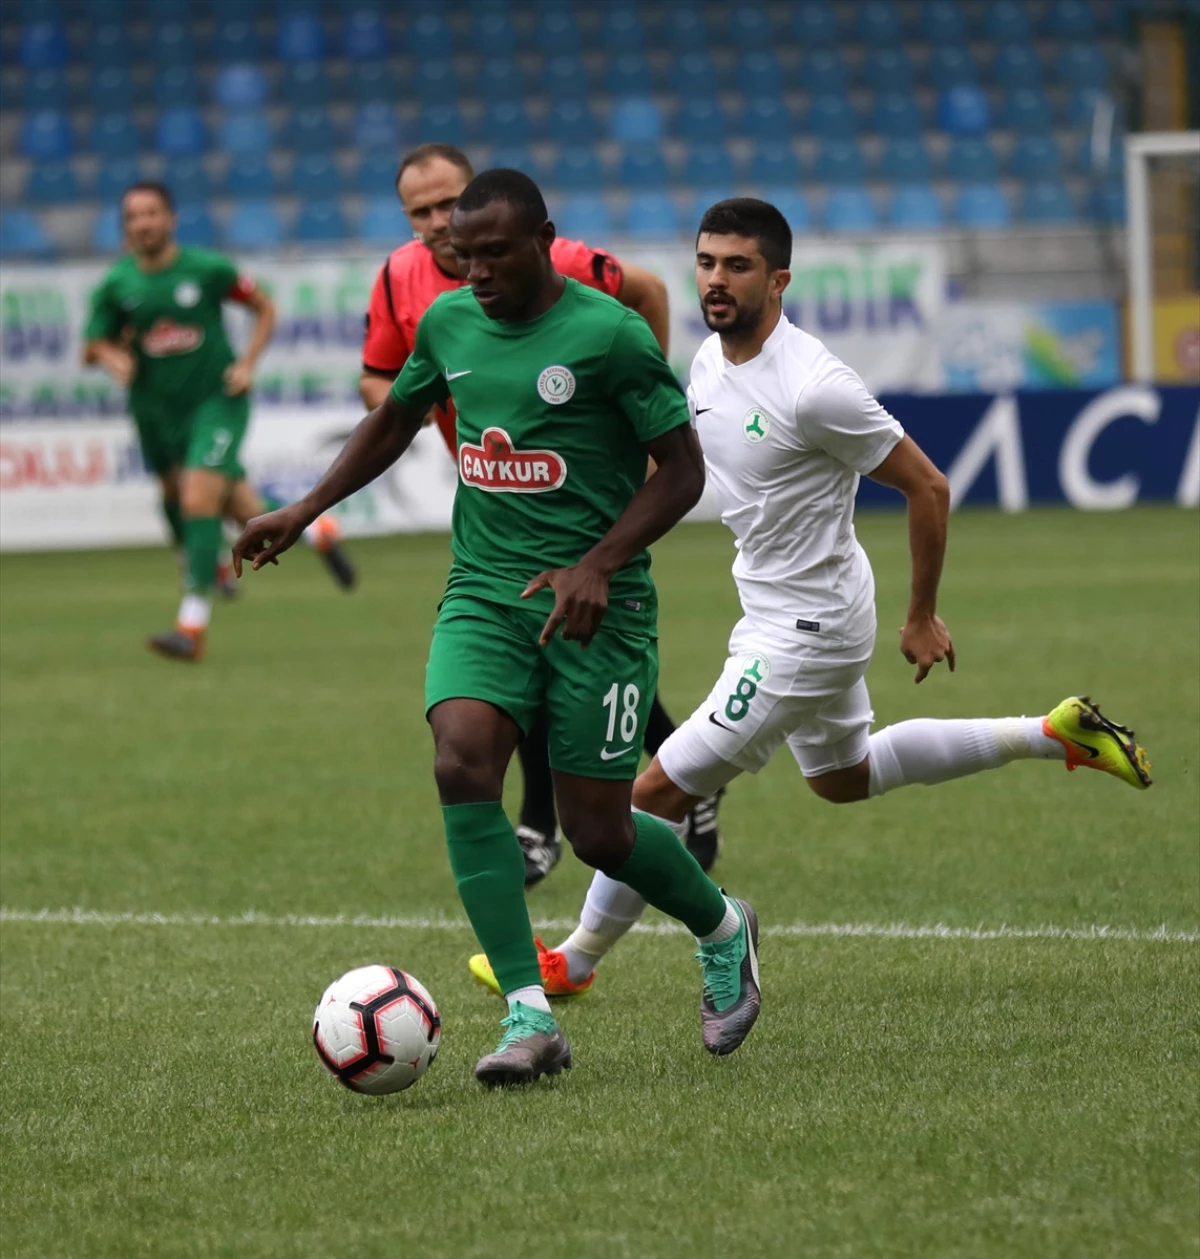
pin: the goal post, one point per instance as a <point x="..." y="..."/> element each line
<point x="1141" y="152"/>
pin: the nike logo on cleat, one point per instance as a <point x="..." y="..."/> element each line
<point x="1091" y="751"/>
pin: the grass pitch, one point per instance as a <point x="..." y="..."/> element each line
<point x="974" y="1095"/>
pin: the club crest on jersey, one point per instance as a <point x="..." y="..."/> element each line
<point x="756" y="425"/>
<point x="166" y="338"/>
<point x="187" y="294"/>
<point x="496" y="467"/>
<point x="556" y="385"/>
<point x="756" y="667"/>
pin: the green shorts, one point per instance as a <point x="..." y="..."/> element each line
<point x="596" y="700"/>
<point x="210" y="436"/>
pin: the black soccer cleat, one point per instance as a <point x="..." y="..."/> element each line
<point x="541" y="851"/>
<point x="339" y="565"/>
<point x="179" y="644"/>
<point x="703" y="836"/>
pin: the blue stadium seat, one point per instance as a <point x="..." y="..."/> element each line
<point x="694" y="74"/>
<point x="176" y="87"/>
<point x="171" y="44"/>
<point x="441" y="124"/>
<point x="517" y="157"/>
<point x="831" y="118"/>
<point x="109" y="45"/>
<point x="166" y="10"/>
<point x="187" y="178"/>
<point x="240" y="87"/>
<point x="376" y="175"/>
<point x="1048" y="201"/>
<point x="384" y="220"/>
<point x="244" y="131"/>
<point x="793" y="205"/>
<point x="110" y="88"/>
<point x="814" y="25"/>
<point x="578" y="167"/>
<point x="506" y="122"/>
<point x="310" y="131"/>
<point x="45" y="135"/>
<point x="643" y="167"/>
<point x="1036" y="157"/>
<point x="194" y="226"/>
<point x="315" y="175"/>
<point x="250" y="177"/>
<point x="759" y="72"/>
<point x="583" y="218"/>
<point x="702" y="119"/>
<point x="823" y="70"/>
<point x="365" y="36"/>
<point x="253" y="225"/>
<point x="1006" y="21"/>
<point x="1083" y="65"/>
<point x="775" y="162"/>
<point x="972" y="160"/>
<point x="569" y="122"/>
<point x="906" y="162"/>
<point x="1082" y="104"/>
<point x="840" y="162"/>
<point x="305" y="85"/>
<point x="52" y="183"/>
<point x="708" y="165"/>
<point x="686" y="29"/>
<point x="492" y="34"/>
<point x="750" y="26"/>
<point x="376" y="126"/>
<point x="235" y="42"/>
<point x="888" y="70"/>
<point x="878" y="24"/>
<point x="114" y="177"/>
<point x="300" y="38"/>
<point x="1026" y="111"/>
<point x="43" y="46"/>
<point x="651" y="214"/>
<point x="428" y="36"/>
<point x="982" y="206"/>
<point x="21" y="235"/>
<point x="767" y="118"/>
<point x="1106" y="204"/>
<point x="1070" y="19"/>
<point x="115" y="135"/>
<point x="850" y="210"/>
<point x="898" y="115"/>
<point x="699" y="203"/>
<point x="500" y="79"/>
<point x="46" y="89"/>
<point x="941" y="22"/>
<point x="915" y="206"/>
<point x="635" y="120"/>
<point x="621" y="30"/>
<point x="99" y="12"/>
<point x="963" y="111"/>
<point x="951" y="67"/>
<point x="1017" y="65"/>
<point x="628" y="75"/>
<point x="557" y="32"/>
<point x="321" y="221"/>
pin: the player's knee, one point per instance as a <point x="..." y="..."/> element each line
<point x="598" y="840"/>
<point x="655" y="793"/>
<point x="843" y="786"/>
<point x="201" y="495"/>
<point x="465" y="777"/>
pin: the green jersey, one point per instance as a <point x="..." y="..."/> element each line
<point x="175" y="319"/>
<point x="552" y="417"/>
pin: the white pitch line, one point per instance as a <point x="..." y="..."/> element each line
<point x="400" y="922"/>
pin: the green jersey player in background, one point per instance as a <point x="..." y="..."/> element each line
<point x="156" y="326"/>
<point x="561" y="394"/>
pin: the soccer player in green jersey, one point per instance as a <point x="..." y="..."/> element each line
<point x="156" y="326"/>
<point x="561" y="394"/>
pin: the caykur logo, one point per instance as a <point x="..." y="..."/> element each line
<point x="496" y="467"/>
<point x="166" y="338"/>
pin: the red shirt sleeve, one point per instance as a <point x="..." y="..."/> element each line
<point x="593" y="267"/>
<point x="243" y="290"/>
<point x="385" y="348"/>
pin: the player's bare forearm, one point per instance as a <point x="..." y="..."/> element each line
<point x="373" y="388"/>
<point x="114" y="358"/>
<point x="643" y="291"/>
<point x="262" y="331"/>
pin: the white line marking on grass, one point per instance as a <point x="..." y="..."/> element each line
<point x="796" y="930"/>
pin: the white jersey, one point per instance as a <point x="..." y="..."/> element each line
<point x="785" y="437"/>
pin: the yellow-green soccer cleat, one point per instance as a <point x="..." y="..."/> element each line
<point x="555" y="979"/>
<point x="1092" y="740"/>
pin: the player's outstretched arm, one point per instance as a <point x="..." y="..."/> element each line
<point x="581" y="591"/>
<point x="643" y="291"/>
<point x="378" y="441"/>
<point x="924" y="639"/>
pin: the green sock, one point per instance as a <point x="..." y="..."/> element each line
<point x="174" y="515"/>
<point x="490" y="873"/>
<point x="203" y="537"/>
<point x="662" y="871"/>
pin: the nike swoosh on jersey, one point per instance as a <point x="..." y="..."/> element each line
<point x="713" y="718"/>
<point x="606" y="755"/>
<point x="455" y="375"/>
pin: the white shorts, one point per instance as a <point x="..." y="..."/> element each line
<point x="774" y="688"/>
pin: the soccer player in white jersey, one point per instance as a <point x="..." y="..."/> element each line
<point x="787" y="430"/>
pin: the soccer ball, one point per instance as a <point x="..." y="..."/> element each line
<point x="377" y="1029"/>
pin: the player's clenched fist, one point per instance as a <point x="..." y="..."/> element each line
<point x="580" y="601"/>
<point x="265" y="538"/>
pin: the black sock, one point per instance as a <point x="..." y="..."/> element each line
<point x="659" y="727"/>
<point x="537" y="808"/>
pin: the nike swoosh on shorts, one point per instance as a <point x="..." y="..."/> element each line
<point x="606" y="755"/>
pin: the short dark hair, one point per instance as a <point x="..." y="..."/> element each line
<point x="427" y="152"/>
<point x="513" y="186"/>
<point x="155" y="186"/>
<point x="747" y="216"/>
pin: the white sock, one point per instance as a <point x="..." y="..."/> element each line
<point x="532" y="995"/>
<point x="194" y="612"/>
<point x="928" y="751"/>
<point x="727" y="928"/>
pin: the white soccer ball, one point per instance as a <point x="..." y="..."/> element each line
<point x="377" y="1029"/>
